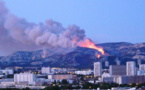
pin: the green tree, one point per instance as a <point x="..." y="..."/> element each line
<point x="52" y="88"/>
<point x="82" y="78"/>
<point x="95" y="86"/>
<point x="77" y="87"/>
<point x="124" y="85"/>
<point x="133" y="85"/>
<point x="75" y="82"/>
<point x="87" y="85"/>
<point x="54" y="82"/>
<point x="64" y="81"/>
<point x="26" y="88"/>
<point x="105" y="86"/>
<point x="69" y="87"/>
<point x="114" y="85"/>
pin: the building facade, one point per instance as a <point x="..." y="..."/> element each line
<point x="25" y="78"/>
<point x="131" y="68"/>
<point x="6" y="71"/>
<point x="131" y="79"/>
<point x="142" y="67"/>
<point x="139" y="73"/>
<point x="125" y="79"/>
<point x="46" y="70"/>
<point x="61" y="76"/>
<point x="117" y="70"/>
<point x="97" y="69"/>
<point x="84" y="72"/>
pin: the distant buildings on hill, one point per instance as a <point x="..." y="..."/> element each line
<point x="121" y="74"/>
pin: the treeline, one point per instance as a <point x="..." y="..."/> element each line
<point x="86" y="85"/>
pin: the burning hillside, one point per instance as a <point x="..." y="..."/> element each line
<point x="89" y="44"/>
<point x="17" y="34"/>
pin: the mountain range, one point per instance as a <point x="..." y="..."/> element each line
<point x="80" y="57"/>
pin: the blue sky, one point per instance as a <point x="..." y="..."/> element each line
<point x="103" y="20"/>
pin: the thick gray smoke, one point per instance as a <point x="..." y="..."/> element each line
<point x="16" y="34"/>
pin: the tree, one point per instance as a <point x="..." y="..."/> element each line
<point x="124" y="85"/>
<point x="105" y="86"/>
<point x="69" y="87"/>
<point x="133" y="84"/>
<point x="26" y="88"/>
<point x="95" y="86"/>
<point x="114" y="85"/>
<point x="82" y="78"/>
<point x="75" y="82"/>
<point x="64" y="81"/>
<point x="87" y="85"/>
<point x="77" y="87"/>
<point x="54" y="82"/>
<point x="52" y="88"/>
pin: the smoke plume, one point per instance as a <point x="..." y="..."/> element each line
<point x="17" y="34"/>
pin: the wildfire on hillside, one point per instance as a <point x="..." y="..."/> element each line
<point x="85" y="43"/>
<point x="89" y="44"/>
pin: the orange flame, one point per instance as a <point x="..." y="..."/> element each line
<point x="89" y="44"/>
<point x="43" y="56"/>
<point x="98" y="55"/>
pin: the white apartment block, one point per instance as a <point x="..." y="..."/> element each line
<point x="142" y="67"/>
<point x="131" y="68"/>
<point x="97" y="69"/>
<point x="25" y="78"/>
<point x="46" y="70"/>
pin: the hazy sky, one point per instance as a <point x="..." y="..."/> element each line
<point x="103" y="20"/>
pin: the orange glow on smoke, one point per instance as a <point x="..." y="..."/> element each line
<point x="89" y="44"/>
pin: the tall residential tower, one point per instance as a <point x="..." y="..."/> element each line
<point x="131" y="68"/>
<point x="97" y="69"/>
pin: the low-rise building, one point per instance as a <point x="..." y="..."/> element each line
<point x="122" y="80"/>
<point x="84" y="72"/>
<point x="106" y="77"/>
<point x="6" y="71"/>
<point x="142" y="67"/>
<point x="119" y="70"/>
<point x="25" y="78"/>
<point x="41" y="81"/>
<point x="123" y="88"/>
<point x="7" y="82"/>
<point x="125" y="79"/>
<point x="45" y="70"/>
<point x="59" y="70"/>
<point x="61" y="76"/>
<point x="140" y="72"/>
